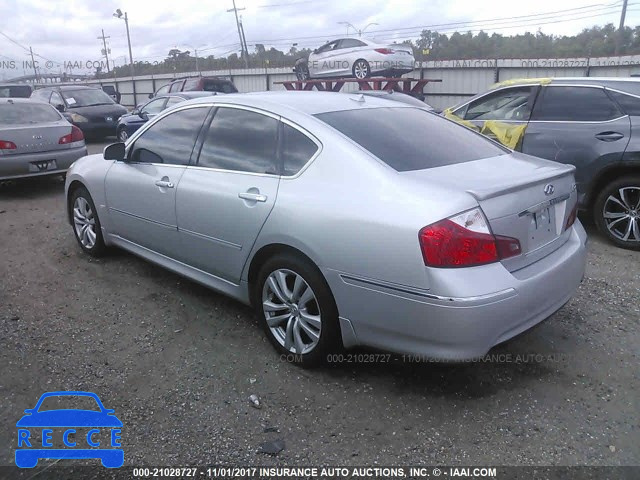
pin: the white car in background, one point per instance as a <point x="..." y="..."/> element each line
<point x="355" y="57"/>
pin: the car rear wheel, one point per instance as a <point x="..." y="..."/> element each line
<point x="122" y="135"/>
<point x="297" y="310"/>
<point x="86" y="224"/>
<point x="361" y="69"/>
<point x="617" y="212"/>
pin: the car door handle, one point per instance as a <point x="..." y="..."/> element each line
<point x="253" y="197"/>
<point x="609" y="136"/>
<point x="164" y="184"/>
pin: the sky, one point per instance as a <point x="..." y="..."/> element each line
<point x="65" y="32"/>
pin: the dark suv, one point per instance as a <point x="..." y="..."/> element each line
<point x="195" y="84"/>
<point x="591" y="123"/>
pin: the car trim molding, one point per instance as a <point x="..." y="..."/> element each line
<point x="213" y="239"/>
<point x="166" y="225"/>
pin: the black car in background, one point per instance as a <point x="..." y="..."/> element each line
<point x="15" y="90"/>
<point x="90" y="109"/>
<point x="197" y="84"/>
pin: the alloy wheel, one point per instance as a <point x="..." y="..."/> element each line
<point x="621" y="213"/>
<point x="84" y="222"/>
<point x="292" y="311"/>
<point x="361" y="69"/>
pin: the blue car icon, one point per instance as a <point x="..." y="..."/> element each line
<point x="100" y="420"/>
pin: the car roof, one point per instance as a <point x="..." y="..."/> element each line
<point x="307" y="102"/>
<point x="21" y="100"/>
<point x="15" y="85"/>
<point x="69" y="87"/>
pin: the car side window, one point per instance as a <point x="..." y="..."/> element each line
<point x="154" y="106"/>
<point x="173" y="100"/>
<point x="191" y="84"/>
<point x="506" y="104"/>
<point x="629" y="103"/>
<point x="163" y="90"/>
<point x="242" y="141"/>
<point x="575" y="104"/>
<point x="351" y="43"/>
<point x="42" y="95"/>
<point x="56" y="99"/>
<point x="297" y="150"/>
<point x="170" y="140"/>
<point x="177" y="86"/>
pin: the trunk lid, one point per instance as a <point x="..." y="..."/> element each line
<point x="522" y="197"/>
<point x="32" y="138"/>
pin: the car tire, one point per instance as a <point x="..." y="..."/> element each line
<point x="122" y="135"/>
<point x="302" y="71"/>
<point x="301" y="319"/>
<point x="85" y="223"/>
<point x="616" y="212"/>
<point x="361" y="69"/>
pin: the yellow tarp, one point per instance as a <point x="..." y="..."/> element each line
<point x="447" y="114"/>
<point x="507" y="134"/>
<point x="518" y="81"/>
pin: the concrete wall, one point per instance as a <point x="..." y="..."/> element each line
<point x="460" y="78"/>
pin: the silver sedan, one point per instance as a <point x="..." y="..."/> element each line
<point x="343" y="219"/>
<point x="35" y="140"/>
<point x="356" y="57"/>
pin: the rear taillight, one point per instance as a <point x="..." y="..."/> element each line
<point x="571" y="219"/>
<point x="384" y="51"/>
<point x="75" y="136"/>
<point x="6" y="145"/>
<point x="464" y="240"/>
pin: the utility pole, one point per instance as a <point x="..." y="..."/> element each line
<point x="244" y="42"/>
<point x="106" y="52"/>
<point x="245" y="54"/>
<point x="33" y="62"/>
<point x="620" y="37"/>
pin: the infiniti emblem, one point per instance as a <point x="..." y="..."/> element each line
<point x="37" y="137"/>
<point x="549" y="189"/>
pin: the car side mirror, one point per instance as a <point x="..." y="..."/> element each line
<point x="115" y="151"/>
<point x="60" y="107"/>
<point x="150" y="95"/>
<point x="144" y="116"/>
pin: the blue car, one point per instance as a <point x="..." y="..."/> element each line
<point x="64" y="421"/>
<point x="130" y="122"/>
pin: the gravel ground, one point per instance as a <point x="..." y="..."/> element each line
<point x="177" y="362"/>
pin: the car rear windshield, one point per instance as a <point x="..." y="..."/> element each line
<point x="219" y="86"/>
<point x="15" y="91"/>
<point x="410" y="138"/>
<point x="25" y="113"/>
<point x="86" y="97"/>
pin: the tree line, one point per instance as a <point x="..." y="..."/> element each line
<point x="597" y="41"/>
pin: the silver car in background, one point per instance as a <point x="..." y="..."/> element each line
<point x="356" y="57"/>
<point x="35" y="139"/>
<point x="343" y="219"/>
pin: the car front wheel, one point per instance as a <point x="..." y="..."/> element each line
<point x="617" y="212"/>
<point x="86" y="224"/>
<point x="297" y="310"/>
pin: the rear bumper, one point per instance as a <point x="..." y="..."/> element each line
<point x="96" y="129"/>
<point x="421" y="323"/>
<point x="18" y="166"/>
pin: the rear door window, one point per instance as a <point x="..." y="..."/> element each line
<point x="177" y="86"/>
<point x="242" y="141"/>
<point x="411" y="138"/>
<point x="575" y="104"/>
<point x="163" y="90"/>
<point x="191" y="84"/>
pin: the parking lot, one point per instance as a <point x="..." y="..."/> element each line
<point x="178" y="362"/>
